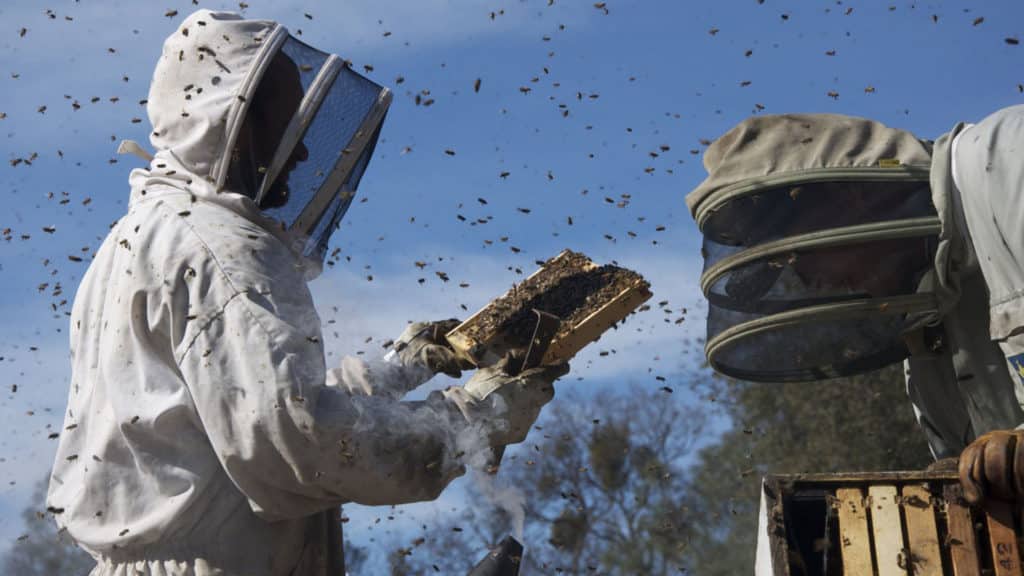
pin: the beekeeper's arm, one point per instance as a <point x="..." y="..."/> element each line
<point x="419" y="353"/>
<point x="988" y="172"/>
<point x="292" y="444"/>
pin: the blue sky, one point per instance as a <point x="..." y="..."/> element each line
<point x="595" y="115"/>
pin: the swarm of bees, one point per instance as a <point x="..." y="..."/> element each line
<point x="617" y="181"/>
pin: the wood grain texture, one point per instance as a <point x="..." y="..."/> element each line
<point x="963" y="546"/>
<point x="854" y="537"/>
<point x="924" y="555"/>
<point x="890" y="554"/>
<point x="1002" y="538"/>
<point x="481" y="342"/>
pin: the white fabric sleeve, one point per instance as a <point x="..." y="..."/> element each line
<point x="295" y="446"/>
<point x="383" y="377"/>
<point x="990" y="178"/>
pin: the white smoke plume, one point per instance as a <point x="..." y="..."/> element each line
<point x="478" y="457"/>
<point x="509" y="498"/>
<point x="386" y="379"/>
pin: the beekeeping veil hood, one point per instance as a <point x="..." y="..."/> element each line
<point x="245" y="114"/>
<point x="820" y="237"/>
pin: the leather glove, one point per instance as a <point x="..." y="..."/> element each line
<point x="424" y="344"/>
<point x="510" y="404"/>
<point x="992" y="467"/>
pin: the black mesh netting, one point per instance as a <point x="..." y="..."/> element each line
<point x="326" y="142"/>
<point x="780" y="263"/>
<point x="815" y="350"/>
<point x="786" y="211"/>
<point x="801" y="277"/>
<point x="317" y="243"/>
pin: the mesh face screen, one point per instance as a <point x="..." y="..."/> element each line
<point x="813" y="275"/>
<point x="808" y="350"/>
<point x="322" y="149"/>
<point x="772" y="256"/>
<point x="785" y="211"/>
<point x="307" y="60"/>
<point x="317" y="243"/>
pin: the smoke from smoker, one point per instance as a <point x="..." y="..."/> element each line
<point x="373" y="380"/>
<point x="511" y="499"/>
<point x="377" y="377"/>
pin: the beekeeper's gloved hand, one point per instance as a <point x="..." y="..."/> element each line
<point x="423" y="344"/>
<point x="508" y="405"/>
<point x="992" y="467"/>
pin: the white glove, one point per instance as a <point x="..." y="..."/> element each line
<point x="423" y="344"/>
<point x="508" y="404"/>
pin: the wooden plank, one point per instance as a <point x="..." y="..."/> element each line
<point x="774" y="516"/>
<point x="924" y="555"/>
<point x="963" y="546"/>
<point x="491" y="345"/>
<point x="1002" y="539"/>
<point x="854" y="539"/>
<point x="851" y="478"/>
<point x="888" y="530"/>
<point x="597" y="323"/>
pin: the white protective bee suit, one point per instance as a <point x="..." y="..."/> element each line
<point x="204" y="434"/>
<point x="975" y="383"/>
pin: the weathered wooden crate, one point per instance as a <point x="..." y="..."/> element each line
<point x="587" y="297"/>
<point x="882" y="524"/>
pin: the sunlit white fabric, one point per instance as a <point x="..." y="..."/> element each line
<point x="335" y="126"/>
<point x="973" y="386"/>
<point x="204" y="434"/>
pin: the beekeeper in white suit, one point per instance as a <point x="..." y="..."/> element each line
<point x="836" y="245"/>
<point x="204" y="434"/>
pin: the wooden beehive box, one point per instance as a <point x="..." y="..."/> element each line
<point x="882" y="524"/>
<point x="588" y="299"/>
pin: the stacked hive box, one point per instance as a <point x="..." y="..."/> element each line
<point x="884" y="524"/>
